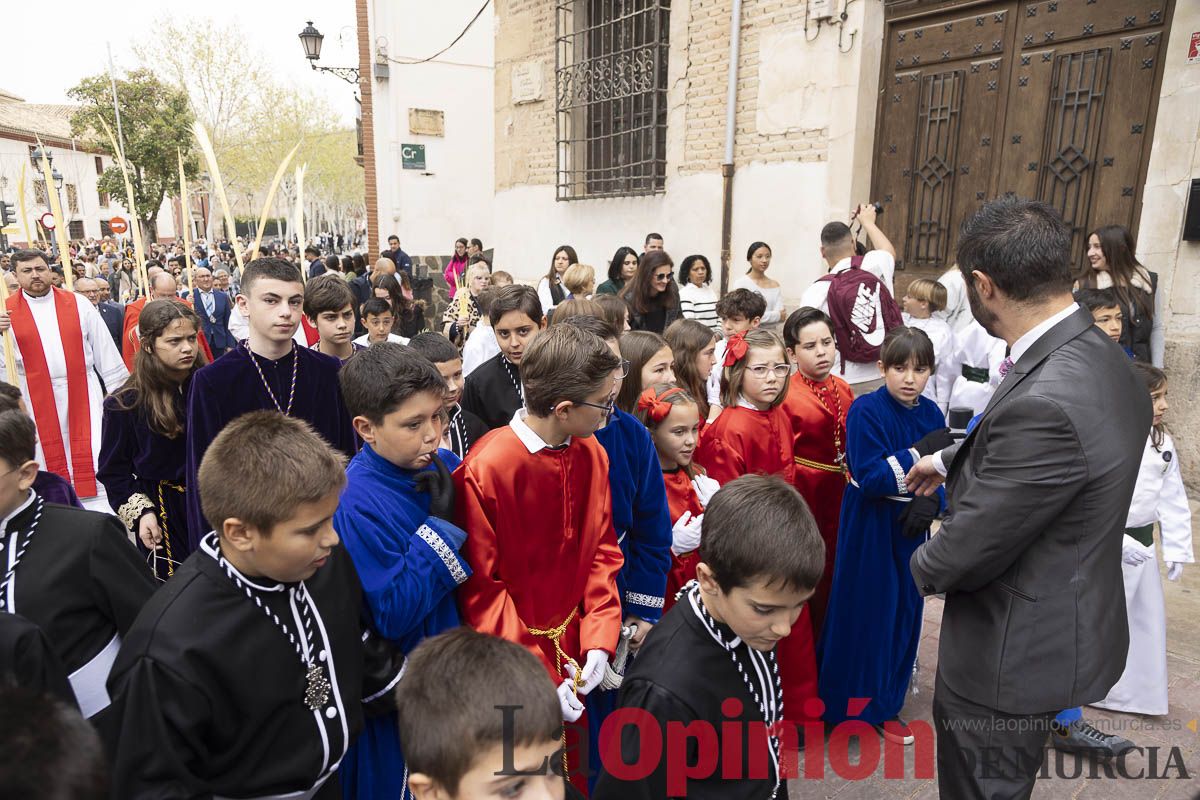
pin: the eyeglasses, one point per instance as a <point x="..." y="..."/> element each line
<point x="607" y="410"/>
<point x="761" y="370"/>
<point x="623" y="367"/>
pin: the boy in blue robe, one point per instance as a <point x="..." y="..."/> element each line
<point x="642" y="521"/>
<point x="394" y="519"/>
<point x="267" y="371"/>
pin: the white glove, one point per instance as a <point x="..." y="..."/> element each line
<point x="705" y="487"/>
<point x="593" y="670"/>
<point x="572" y="706"/>
<point x="685" y="534"/>
<point x="1174" y="570"/>
<point x="1134" y="552"/>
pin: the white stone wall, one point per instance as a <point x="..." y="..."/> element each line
<point x="452" y="197"/>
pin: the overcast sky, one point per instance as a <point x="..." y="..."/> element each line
<point x="83" y="27"/>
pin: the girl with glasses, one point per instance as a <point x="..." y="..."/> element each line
<point x="652" y="295"/>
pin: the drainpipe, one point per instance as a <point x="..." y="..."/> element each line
<point x="735" y="30"/>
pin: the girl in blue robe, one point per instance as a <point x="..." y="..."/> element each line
<point x="868" y="644"/>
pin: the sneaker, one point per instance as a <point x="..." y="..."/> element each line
<point x="897" y="731"/>
<point x="1083" y="737"/>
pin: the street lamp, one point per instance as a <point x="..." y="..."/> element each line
<point x="311" y="39"/>
<point x="35" y="157"/>
<point x="57" y="177"/>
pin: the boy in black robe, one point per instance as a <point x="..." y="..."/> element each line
<point x="247" y="674"/>
<point x="72" y="573"/>
<point x="710" y="662"/>
<point x="493" y="391"/>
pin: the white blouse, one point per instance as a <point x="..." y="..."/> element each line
<point x="774" y="298"/>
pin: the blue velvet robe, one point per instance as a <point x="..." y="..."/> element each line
<point x="869" y="640"/>
<point x="642" y="521"/>
<point x="230" y="387"/>
<point x="133" y="459"/>
<point x="409" y="567"/>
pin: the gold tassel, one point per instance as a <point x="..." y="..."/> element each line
<point x="262" y="218"/>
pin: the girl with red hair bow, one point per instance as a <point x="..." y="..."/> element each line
<point x="673" y="419"/>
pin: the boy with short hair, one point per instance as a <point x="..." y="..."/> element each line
<point x="329" y="307"/>
<point x="47" y="749"/>
<point x="501" y="278"/>
<point x="481" y="342"/>
<point x="51" y="487"/>
<point x="462" y="427"/>
<point x="268" y="370"/>
<point x="247" y="675"/>
<point x="378" y="317"/>
<point x="493" y="392"/>
<point x="739" y="311"/>
<point x="1106" y="311"/>
<point x="395" y="517"/>
<point x="71" y="572"/>
<point x="471" y="739"/>
<point x="548" y="580"/>
<point x="760" y="557"/>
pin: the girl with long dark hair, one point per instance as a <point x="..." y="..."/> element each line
<point x="652" y="295"/>
<point x="409" y="314"/>
<point x="456" y="267"/>
<point x="758" y="256"/>
<point x="1111" y="263"/>
<point x="621" y="270"/>
<point x="143" y="455"/>
<point x="550" y="290"/>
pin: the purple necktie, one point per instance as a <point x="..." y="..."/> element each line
<point x="1005" y="366"/>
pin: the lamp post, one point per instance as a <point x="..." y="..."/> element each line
<point x="311" y="39"/>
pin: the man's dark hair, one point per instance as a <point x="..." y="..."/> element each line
<point x="741" y="303"/>
<point x="394" y="237"/>
<point x="10" y="396"/>
<point x="650" y="236"/>
<point x="18" y="438"/>
<point x="800" y="319"/>
<point x="376" y="306"/>
<point x="758" y="527"/>
<point x="1096" y="299"/>
<point x="436" y="348"/>
<point x="312" y="250"/>
<point x="276" y="269"/>
<point x="387" y="376"/>
<point x="326" y="293"/>
<point x="1024" y="246"/>
<point x="516" y="298"/>
<point x="28" y="254"/>
<point x="585" y="322"/>
<point x="49" y="750"/>
<point x="449" y="718"/>
<point x="835" y="233"/>
<point x="903" y="344"/>
<point x="332" y="263"/>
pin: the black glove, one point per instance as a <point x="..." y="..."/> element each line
<point x="917" y="516"/>
<point x="440" y="486"/>
<point x="933" y="441"/>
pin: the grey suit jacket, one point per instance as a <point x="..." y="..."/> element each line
<point x="1030" y="555"/>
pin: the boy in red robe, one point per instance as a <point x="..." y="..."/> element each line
<point x="534" y="499"/>
<point x="817" y="403"/>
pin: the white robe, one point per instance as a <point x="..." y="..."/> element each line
<point x="957" y="312"/>
<point x="1158" y="497"/>
<point x="945" y="349"/>
<point x="974" y="347"/>
<point x="102" y="360"/>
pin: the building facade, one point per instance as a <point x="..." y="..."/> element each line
<point x="88" y="210"/>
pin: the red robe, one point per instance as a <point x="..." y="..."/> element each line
<point x="681" y="497"/>
<point x="745" y="441"/>
<point x="129" y="335"/>
<point x="814" y="428"/>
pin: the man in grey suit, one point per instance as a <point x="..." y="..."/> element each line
<point x="1030" y="556"/>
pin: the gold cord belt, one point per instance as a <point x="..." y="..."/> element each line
<point x="162" y="516"/>
<point x="818" y="465"/>
<point x="555" y="635"/>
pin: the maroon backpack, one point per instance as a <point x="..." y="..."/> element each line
<point x="862" y="310"/>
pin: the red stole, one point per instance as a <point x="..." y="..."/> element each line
<point x="41" y="390"/>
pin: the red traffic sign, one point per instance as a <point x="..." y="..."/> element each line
<point x="118" y="225"/>
<point x="47" y="221"/>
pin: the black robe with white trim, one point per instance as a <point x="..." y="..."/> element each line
<point x="209" y="694"/>
<point x="82" y="582"/>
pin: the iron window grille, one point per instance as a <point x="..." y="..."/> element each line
<point x="610" y="97"/>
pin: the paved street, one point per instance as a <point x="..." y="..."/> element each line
<point x="1170" y="731"/>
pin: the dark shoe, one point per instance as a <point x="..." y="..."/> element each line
<point x="1083" y="737"/>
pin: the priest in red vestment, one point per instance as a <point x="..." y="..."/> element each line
<point x="63" y="351"/>
<point x="162" y="287"/>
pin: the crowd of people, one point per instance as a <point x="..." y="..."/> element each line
<point x="347" y="553"/>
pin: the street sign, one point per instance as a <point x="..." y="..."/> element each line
<point x="118" y="225"/>
<point x="47" y="221"/>
<point x="1193" y="56"/>
<point x="412" y="156"/>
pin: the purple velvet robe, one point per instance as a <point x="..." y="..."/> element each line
<point x="231" y="386"/>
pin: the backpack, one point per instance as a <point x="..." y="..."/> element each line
<point x="862" y="310"/>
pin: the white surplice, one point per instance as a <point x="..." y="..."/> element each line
<point x="102" y="360"/>
<point x="976" y="348"/>
<point x="1159" y="496"/>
